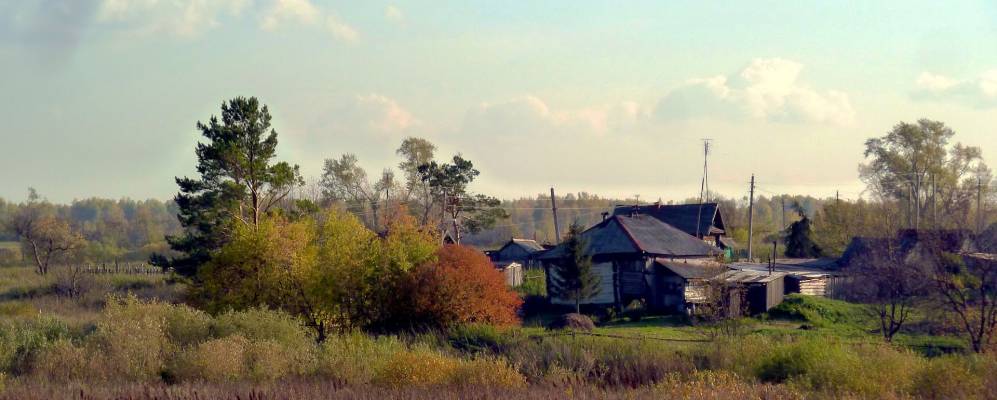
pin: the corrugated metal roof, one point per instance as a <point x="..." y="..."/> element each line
<point x="748" y="276"/>
<point x="689" y="270"/>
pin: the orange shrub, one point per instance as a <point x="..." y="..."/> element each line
<point x="462" y="286"/>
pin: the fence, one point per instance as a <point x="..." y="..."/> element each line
<point x="120" y="268"/>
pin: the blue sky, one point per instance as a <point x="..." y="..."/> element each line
<point x="100" y="97"/>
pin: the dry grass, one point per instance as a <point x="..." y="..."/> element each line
<point x="707" y="388"/>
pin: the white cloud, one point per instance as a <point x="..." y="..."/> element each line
<point x="340" y="29"/>
<point x="382" y="114"/>
<point x="393" y="13"/>
<point x="933" y="82"/>
<point x="977" y="92"/>
<point x="767" y="89"/>
<point x="190" y="18"/>
<point x="299" y="11"/>
<point x="529" y="115"/>
<point x="303" y="12"/>
<point x="182" y="18"/>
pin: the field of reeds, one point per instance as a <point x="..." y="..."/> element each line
<point x="127" y="337"/>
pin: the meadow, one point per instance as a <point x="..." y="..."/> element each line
<point x="129" y="336"/>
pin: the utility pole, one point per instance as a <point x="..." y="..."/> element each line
<point x="751" y="214"/>
<point x="774" y="252"/>
<point x="917" y="201"/>
<point x="979" y="205"/>
<point x="837" y="197"/>
<point x="934" y="203"/>
<point x="783" y="197"/>
<point x="553" y="207"/>
<point x="443" y="217"/>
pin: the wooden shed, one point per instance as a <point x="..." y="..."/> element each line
<point x="809" y="276"/>
<point x="513" y="272"/>
<point x="522" y="251"/>
<point x="762" y="290"/>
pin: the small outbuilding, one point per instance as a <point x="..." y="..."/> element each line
<point x="762" y="291"/>
<point x="513" y="272"/>
<point x="522" y="251"/>
<point x="809" y="276"/>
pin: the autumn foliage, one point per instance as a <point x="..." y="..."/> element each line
<point x="462" y="286"/>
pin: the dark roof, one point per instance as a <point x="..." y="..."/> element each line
<point x="688" y="270"/>
<point x="640" y="234"/>
<point x="682" y="216"/>
<point x="527" y="244"/>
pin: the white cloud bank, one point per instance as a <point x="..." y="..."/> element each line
<point x="976" y="92"/>
<point x="182" y="18"/>
<point x="303" y="12"/>
<point x="530" y="115"/>
<point x="768" y="88"/>
<point x="190" y="18"/>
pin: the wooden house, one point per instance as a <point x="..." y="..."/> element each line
<point x="628" y="253"/>
<point x="522" y="251"/>
<point x="704" y="221"/>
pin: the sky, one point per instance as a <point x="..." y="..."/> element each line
<point x="101" y="97"/>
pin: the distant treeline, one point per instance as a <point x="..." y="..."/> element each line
<point x="531" y="217"/>
<point x="125" y="229"/>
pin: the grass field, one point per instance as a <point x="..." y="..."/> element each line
<point x="139" y="343"/>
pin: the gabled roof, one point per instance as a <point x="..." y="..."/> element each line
<point x="682" y="216"/>
<point x="531" y="246"/>
<point x="639" y="234"/>
<point x="689" y="270"/>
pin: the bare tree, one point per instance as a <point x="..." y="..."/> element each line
<point x="967" y="285"/>
<point x="721" y="304"/>
<point x="884" y="279"/>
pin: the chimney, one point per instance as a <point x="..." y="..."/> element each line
<point x="635" y="211"/>
<point x="605" y="215"/>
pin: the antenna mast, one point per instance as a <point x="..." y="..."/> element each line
<point x="704" y="187"/>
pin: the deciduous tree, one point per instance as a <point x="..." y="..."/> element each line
<point x="44" y="236"/>
<point x="461" y="286"/>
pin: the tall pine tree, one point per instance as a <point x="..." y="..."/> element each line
<point x="573" y="277"/>
<point x="239" y="182"/>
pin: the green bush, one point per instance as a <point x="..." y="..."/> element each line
<point x="262" y="325"/>
<point x="215" y="360"/>
<point x="131" y="338"/>
<point x="356" y="358"/>
<point x="22" y="339"/>
<point x="476" y="338"/>
<point x="950" y="377"/>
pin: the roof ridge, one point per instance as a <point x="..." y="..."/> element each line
<point x="630" y="235"/>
